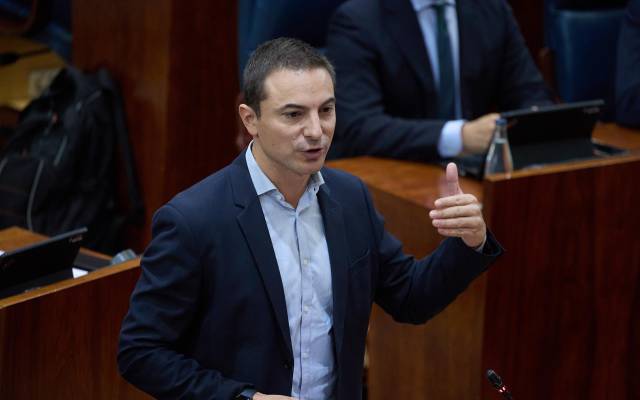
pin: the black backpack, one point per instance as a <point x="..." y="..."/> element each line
<point x="58" y="168"/>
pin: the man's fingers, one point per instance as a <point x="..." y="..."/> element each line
<point x="457" y="232"/>
<point x="468" y="210"/>
<point x="457" y="200"/>
<point x="455" y="223"/>
<point x="453" y="185"/>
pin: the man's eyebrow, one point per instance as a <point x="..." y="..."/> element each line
<point x="301" y="107"/>
<point x="329" y="101"/>
<point x="292" y="105"/>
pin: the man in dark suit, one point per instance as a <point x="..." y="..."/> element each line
<point x="260" y="279"/>
<point x="628" y="68"/>
<point x="420" y="79"/>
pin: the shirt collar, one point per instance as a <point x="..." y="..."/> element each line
<point x="263" y="184"/>
<point x="419" y="5"/>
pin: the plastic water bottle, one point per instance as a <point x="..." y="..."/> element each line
<point x="499" y="158"/>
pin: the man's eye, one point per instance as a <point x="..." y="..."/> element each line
<point x="292" y="114"/>
<point x="328" y="109"/>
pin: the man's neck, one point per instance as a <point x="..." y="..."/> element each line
<point x="291" y="185"/>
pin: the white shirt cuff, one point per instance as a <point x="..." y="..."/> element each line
<point x="450" y="142"/>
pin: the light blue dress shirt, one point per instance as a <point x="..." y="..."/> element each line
<point x="450" y="142"/>
<point x="300" y="246"/>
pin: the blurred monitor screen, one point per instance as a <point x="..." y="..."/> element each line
<point x="39" y="264"/>
<point x="546" y="135"/>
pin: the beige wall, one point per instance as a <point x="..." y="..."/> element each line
<point x="22" y="81"/>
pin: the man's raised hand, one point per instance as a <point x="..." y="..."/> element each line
<point x="459" y="214"/>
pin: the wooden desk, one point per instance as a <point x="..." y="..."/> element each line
<point x="558" y="316"/>
<point x="60" y="341"/>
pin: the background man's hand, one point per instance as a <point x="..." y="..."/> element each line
<point x="476" y="134"/>
<point x="260" y="396"/>
<point x="459" y="214"/>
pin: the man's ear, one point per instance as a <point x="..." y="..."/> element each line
<point x="249" y="119"/>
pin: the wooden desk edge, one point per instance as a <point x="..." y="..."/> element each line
<point x="568" y="166"/>
<point x="68" y="283"/>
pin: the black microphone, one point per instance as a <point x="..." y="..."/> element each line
<point x="496" y="382"/>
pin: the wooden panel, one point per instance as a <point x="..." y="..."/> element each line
<point x="60" y="341"/>
<point x="564" y="300"/>
<point x="616" y="135"/>
<point x="203" y="87"/>
<point x="530" y="17"/>
<point x="14" y="238"/>
<point x="176" y="63"/>
<point x="439" y="360"/>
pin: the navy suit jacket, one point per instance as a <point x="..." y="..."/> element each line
<point x="386" y="95"/>
<point x="208" y="315"/>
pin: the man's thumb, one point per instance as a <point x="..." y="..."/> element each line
<point x="453" y="186"/>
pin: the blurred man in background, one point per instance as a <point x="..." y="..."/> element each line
<point x="420" y="79"/>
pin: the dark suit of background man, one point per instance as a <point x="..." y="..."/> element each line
<point x="409" y="73"/>
<point x="262" y="276"/>
<point x="628" y="73"/>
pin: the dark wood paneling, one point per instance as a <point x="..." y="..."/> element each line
<point x="564" y="301"/>
<point x="176" y="62"/>
<point x="60" y="341"/>
<point x="203" y="87"/>
<point x="530" y="17"/>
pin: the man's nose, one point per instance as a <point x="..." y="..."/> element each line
<point x="314" y="128"/>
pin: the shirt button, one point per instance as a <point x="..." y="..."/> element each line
<point x="305" y="261"/>
<point x="305" y="309"/>
<point x="305" y="355"/>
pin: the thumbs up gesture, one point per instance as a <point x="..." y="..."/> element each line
<point x="459" y="214"/>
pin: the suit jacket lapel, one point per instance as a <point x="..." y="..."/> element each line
<point x="338" y="256"/>
<point x="253" y="225"/>
<point x="404" y="27"/>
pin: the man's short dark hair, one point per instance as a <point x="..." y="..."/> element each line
<point x="274" y="55"/>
